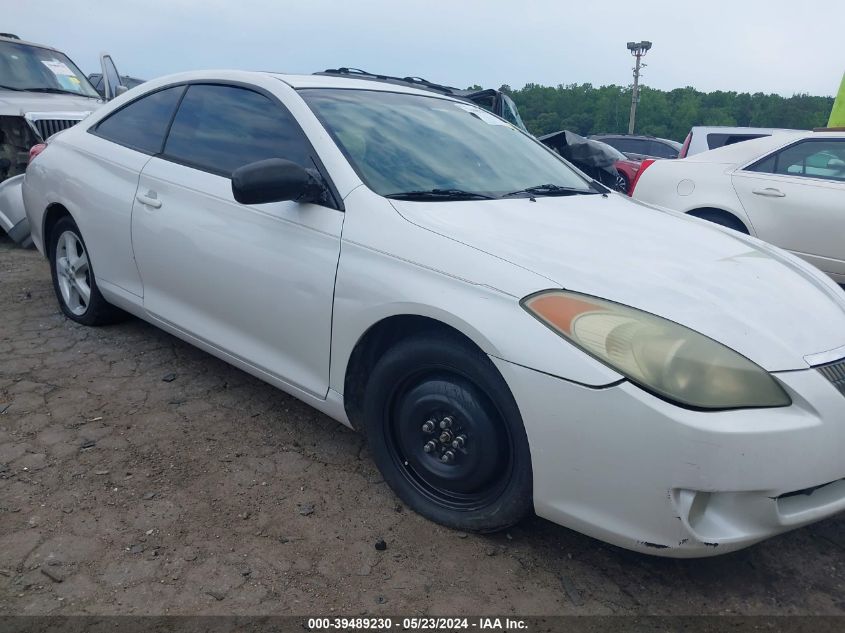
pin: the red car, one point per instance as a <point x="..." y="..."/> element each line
<point x="628" y="170"/>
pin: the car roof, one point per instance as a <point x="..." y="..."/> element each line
<point x="727" y="129"/>
<point x="334" y="81"/>
<point x="14" y="40"/>
<point x="623" y="135"/>
<point x="747" y="150"/>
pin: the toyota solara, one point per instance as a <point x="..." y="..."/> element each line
<point x="508" y="335"/>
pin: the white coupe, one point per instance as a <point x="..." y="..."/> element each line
<point x="508" y="335"/>
<point x="787" y="189"/>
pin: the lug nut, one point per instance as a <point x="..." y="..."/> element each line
<point x="459" y="442"/>
<point x="446" y="422"/>
<point x="430" y="446"/>
<point x="448" y="457"/>
<point x="429" y="426"/>
<point x="446" y="436"/>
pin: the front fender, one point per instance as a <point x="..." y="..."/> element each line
<point x="372" y="286"/>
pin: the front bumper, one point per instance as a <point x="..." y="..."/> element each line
<point x="13" y="218"/>
<point x="625" y="467"/>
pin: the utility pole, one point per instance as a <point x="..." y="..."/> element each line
<point x="638" y="50"/>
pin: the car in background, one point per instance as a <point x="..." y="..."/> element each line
<point x="42" y="93"/>
<point x="507" y="335"/>
<point x="96" y="80"/>
<point x="704" y="138"/>
<point x="787" y="189"/>
<point x="598" y="160"/>
<point x="639" y="147"/>
<point x="490" y="99"/>
<point x="627" y="170"/>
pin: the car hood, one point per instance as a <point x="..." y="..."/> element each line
<point x="755" y="298"/>
<point x="19" y="103"/>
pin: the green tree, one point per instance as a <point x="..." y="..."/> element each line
<point x="586" y="109"/>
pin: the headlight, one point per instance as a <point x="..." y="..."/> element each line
<point x="659" y="355"/>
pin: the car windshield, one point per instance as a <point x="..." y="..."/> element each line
<point x="400" y="143"/>
<point x="32" y="68"/>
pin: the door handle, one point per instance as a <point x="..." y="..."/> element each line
<point x="769" y="192"/>
<point x="151" y="199"/>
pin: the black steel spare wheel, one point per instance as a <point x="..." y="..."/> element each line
<point x="448" y="441"/>
<point x="447" y="435"/>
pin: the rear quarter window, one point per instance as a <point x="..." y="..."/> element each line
<point x="142" y="124"/>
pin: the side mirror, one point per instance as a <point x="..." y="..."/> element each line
<point x="275" y="180"/>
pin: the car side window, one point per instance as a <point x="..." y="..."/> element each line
<point x="623" y="145"/>
<point x="142" y="125"/>
<point x="219" y="128"/>
<point x="661" y="150"/>
<point x="824" y="159"/>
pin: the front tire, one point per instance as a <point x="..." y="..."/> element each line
<point x="446" y="434"/>
<point x="73" y="278"/>
<point x="621" y="185"/>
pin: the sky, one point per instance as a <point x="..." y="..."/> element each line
<point x="773" y="46"/>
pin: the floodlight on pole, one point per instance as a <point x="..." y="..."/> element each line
<point x="638" y="50"/>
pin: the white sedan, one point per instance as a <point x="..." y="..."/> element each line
<point x="787" y="189"/>
<point x="508" y="335"/>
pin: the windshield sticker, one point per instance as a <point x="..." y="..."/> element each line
<point x="482" y="114"/>
<point x="58" y="68"/>
<point x="69" y="83"/>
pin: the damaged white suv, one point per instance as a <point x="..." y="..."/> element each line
<point x="42" y="92"/>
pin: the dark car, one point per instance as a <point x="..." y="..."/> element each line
<point x="494" y="101"/>
<point x="638" y="147"/>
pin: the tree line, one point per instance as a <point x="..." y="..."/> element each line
<point x="586" y="109"/>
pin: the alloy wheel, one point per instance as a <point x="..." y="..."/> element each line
<point x="73" y="273"/>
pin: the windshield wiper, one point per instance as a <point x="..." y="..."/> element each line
<point x="11" y="88"/>
<point x="439" y="194"/>
<point x="549" y="190"/>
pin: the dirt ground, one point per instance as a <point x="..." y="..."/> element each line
<point x="140" y="475"/>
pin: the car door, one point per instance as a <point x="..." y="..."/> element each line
<point x="112" y="84"/>
<point x="255" y="281"/>
<point x="795" y="198"/>
<point x="113" y="155"/>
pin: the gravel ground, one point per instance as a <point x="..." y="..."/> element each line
<point x="141" y="475"/>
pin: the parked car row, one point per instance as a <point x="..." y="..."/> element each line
<point x="509" y="334"/>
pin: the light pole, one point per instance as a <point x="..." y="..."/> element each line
<point x="638" y="50"/>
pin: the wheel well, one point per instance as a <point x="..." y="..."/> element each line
<point x="54" y="213"/>
<point x="373" y="344"/>
<point x="713" y="214"/>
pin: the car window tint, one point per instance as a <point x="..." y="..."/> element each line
<point x="765" y="166"/>
<point x="628" y="145"/>
<point x="823" y="159"/>
<point x="717" y="140"/>
<point x="220" y="128"/>
<point x="142" y="125"/>
<point x="661" y="150"/>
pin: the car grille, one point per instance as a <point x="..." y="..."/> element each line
<point x="835" y="373"/>
<point x="48" y="127"/>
